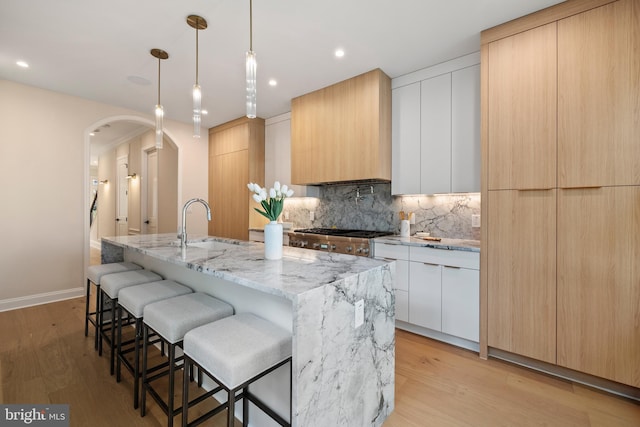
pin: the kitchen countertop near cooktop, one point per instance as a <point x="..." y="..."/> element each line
<point x="448" y="244"/>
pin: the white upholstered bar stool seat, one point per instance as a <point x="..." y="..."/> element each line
<point x="110" y="288"/>
<point x="235" y="352"/>
<point x="133" y="300"/>
<point x="94" y="274"/>
<point x="171" y="319"/>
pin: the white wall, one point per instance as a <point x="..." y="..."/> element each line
<point x="44" y="173"/>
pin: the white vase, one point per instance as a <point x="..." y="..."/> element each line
<point x="273" y="240"/>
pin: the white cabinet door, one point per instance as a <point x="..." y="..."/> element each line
<point x="461" y="302"/>
<point x="277" y="156"/>
<point x="425" y="302"/>
<point x="405" y="139"/>
<point x="465" y="130"/>
<point x="435" y="133"/>
<point x="402" y="305"/>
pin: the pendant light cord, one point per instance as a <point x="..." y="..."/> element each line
<point x="158" y="80"/>
<point x="251" y="25"/>
<point x="197" y="25"/>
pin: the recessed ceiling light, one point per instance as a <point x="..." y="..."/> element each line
<point x="22" y="64"/>
<point x="273" y="82"/>
<point x="339" y="53"/>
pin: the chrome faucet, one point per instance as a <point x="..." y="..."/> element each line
<point x="183" y="233"/>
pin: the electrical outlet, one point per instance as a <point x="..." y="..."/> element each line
<point x="359" y="313"/>
<point x="312" y="216"/>
<point x="475" y="221"/>
<point x="286" y="215"/>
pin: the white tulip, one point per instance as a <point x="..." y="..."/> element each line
<point x="263" y="194"/>
<point x="289" y="193"/>
<point x="272" y="193"/>
<point x="250" y="186"/>
<point x="257" y="198"/>
<point x="284" y="189"/>
<point x="276" y="185"/>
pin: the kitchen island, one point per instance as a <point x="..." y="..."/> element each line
<point x="343" y="375"/>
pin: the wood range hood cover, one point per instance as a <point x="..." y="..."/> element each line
<point x="342" y="133"/>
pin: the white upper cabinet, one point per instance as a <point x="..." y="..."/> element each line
<point x="465" y="130"/>
<point x="436" y="129"/>
<point x="277" y="156"/>
<point x="405" y="127"/>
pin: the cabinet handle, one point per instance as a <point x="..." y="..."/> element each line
<point x="389" y="259"/>
<point x="430" y="263"/>
<point x="585" y="187"/>
<point x="535" y="189"/>
<point x="452" y="266"/>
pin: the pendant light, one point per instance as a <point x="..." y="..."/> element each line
<point x="251" y="69"/>
<point x="160" y="54"/>
<point x="199" y="23"/>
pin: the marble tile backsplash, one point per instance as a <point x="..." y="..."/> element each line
<point x="372" y="207"/>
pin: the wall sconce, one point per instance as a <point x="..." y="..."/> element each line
<point x="132" y="176"/>
<point x="104" y="181"/>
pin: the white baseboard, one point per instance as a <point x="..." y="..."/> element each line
<point x="95" y="244"/>
<point x="45" y="298"/>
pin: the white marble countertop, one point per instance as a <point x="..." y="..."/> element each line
<point x="241" y="262"/>
<point x="448" y="244"/>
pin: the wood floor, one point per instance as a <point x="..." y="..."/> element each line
<point x="45" y="358"/>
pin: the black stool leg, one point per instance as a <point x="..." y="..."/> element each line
<point x="86" y="309"/>
<point x="98" y="314"/>
<point x="100" y="322"/>
<point x="185" y="391"/>
<point x="231" y="408"/>
<point x="143" y="398"/>
<point x="116" y="315"/>
<point x="119" y="344"/>
<point x="245" y="408"/>
<point x="172" y="373"/>
<point x="136" y="365"/>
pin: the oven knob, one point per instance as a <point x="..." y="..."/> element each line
<point x="333" y="247"/>
<point x="316" y="245"/>
<point x="358" y="250"/>
<point x="365" y="250"/>
<point x="348" y="249"/>
<point x="303" y="244"/>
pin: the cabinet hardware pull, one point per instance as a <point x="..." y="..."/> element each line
<point x="452" y="266"/>
<point x="584" y="187"/>
<point x="390" y="259"/>
<point x="534" y="189"/>
<point x="430" y="263"/>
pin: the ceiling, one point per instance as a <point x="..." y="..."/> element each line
<point x="99" y="50"/>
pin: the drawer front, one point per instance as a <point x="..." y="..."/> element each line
<point x="390" y="251"/>
<point x="451" y="258"/>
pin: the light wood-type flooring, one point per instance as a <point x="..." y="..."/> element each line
<point x="45" y="358"/>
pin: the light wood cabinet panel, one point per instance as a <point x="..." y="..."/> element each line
<point x="230" y="173"/>
<point x="599" y="282"/>
<point x="599" y="96"/>
<point x="236" y="157"/>
<point x="522" y="100"/>
<point x="435" y="154"/>
<point x="343" y="132"/>
<point x="522" y="273"/>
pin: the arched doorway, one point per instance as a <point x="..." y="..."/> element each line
<point x="132" y="187"/>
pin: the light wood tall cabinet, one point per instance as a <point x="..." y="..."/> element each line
<point x="236" y="157"/>
<point x="561" y="188"/>
<point x="343" y="132"/>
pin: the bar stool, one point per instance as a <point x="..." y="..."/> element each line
<point x="235" y="352"/>
<point x="170" y="319"/>
<point x="94" y="274"/>
<point x="110" y="288"/>
<point x="133" y="300"/>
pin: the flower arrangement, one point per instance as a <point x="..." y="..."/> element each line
<point x="271" y="201"/>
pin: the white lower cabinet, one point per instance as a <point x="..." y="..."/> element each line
<point x="436" y="289"/>
<point x="461" y="302"/>
<point x="425" y="295"/>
